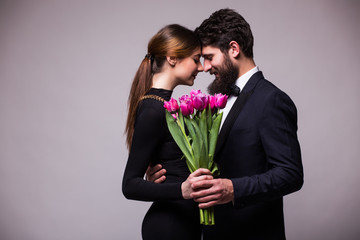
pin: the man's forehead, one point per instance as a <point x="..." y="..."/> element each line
<point x="210" y="50"/>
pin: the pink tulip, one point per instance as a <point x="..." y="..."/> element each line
<point x="194" y="92"/>
<point x="186" y="105"/>
<point x="175" y="116"/>
<point x="184" y="98"/>
<point x="172" y="106"/>
<point x="221" y="100"/>
<point x="212" y="101"/>
<point x="200" y="101"/>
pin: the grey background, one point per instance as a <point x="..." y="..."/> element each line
<point x="65" y="73"/>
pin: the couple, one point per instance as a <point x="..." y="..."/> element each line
<point x="258" y="152"/>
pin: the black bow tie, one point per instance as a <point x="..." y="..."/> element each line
<point x="235" y="90"/>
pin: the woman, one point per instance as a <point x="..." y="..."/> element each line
<point x="173" y="59"/>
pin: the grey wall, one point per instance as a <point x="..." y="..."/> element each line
<point x="65" y="72"/>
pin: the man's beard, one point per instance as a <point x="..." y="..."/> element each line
<point x="227" y="76"/>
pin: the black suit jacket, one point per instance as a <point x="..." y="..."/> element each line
<point x="258" y="150"/>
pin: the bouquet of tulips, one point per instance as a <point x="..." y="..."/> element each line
<point x="194" y="124"/>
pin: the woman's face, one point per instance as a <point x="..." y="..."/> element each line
<point x="187" y="68"/>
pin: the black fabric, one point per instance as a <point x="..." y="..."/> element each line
<point x="169" y="217"/>
<point x="259" y="152"/>
<point x="229" y="121"/>
<point x="235" y="90"/>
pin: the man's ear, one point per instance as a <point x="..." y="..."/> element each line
<point x="234" y="49"/>
<point x="171" y="60"/>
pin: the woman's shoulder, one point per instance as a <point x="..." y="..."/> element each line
<point x="151" y="108"/>
<point x="152" y="104"/>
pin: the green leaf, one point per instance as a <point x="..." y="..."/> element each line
<point x="181" y="120"/>
<point x="201" y="156"/>
<point x="209" y="117"/>
<point x="213" y="136"/>
<point x="195" y="141"/>
<point x="214" y="132"/>
<point x="180" y="137"/>
<point x="204" y="157"/>
<point x="213" y="167"/>
<point x="204" y="129"/>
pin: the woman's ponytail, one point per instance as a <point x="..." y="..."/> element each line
<point x="141" y="84"/>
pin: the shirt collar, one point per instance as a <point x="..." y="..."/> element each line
<point x="243" y="79"/>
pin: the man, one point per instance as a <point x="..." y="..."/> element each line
<point x="258" y="151"/>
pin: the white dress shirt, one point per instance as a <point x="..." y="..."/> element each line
<point x="240" y="82"/>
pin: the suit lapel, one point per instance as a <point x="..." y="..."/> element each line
<point x="235" y="110"/>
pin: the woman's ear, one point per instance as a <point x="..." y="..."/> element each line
<point x="234" y="49"/>
<point x="171" y="60"/>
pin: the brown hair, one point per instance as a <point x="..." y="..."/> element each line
<point x="224" y="26"/>
<point x="172" y="40"/>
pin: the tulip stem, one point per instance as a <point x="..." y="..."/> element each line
<point x="207" y="216"/>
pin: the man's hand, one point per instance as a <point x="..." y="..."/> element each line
<point x="212" y="192"/>
<point x="155" y="174"/>
<point x="201" y="174"/>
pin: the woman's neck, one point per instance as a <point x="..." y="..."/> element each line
<point x="163" y="80"/>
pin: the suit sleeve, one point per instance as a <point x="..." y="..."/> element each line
<point x="278" y="136"/>
<point x="148" y="134"/>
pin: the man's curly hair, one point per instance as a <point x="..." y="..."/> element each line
<point x="224" y="26"/>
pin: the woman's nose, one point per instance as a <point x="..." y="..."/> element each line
<point x="200" y="67"/>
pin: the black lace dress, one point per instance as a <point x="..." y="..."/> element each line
<point x="170" y="216"/>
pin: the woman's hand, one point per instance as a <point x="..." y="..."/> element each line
<point x="155" y="174"/>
